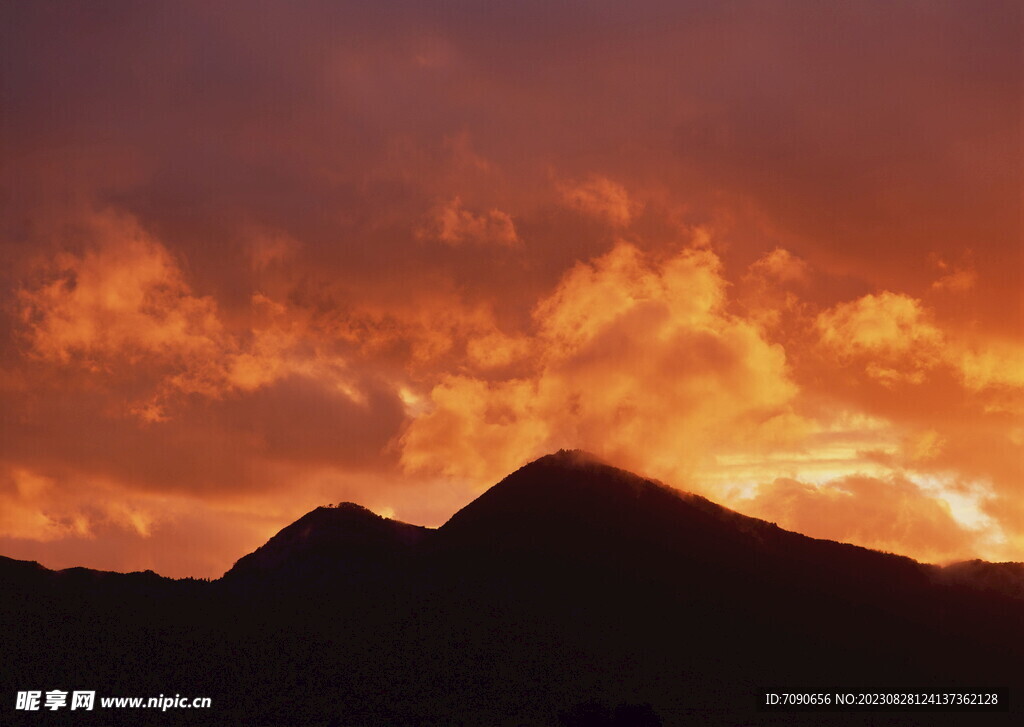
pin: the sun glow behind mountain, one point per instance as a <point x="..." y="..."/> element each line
<point x="262" y="260"/>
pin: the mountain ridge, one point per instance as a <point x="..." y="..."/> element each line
<point x="347" y="521"/>
<point x="586" y="587"/>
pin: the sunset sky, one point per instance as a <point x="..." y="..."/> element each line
<point x="261" y="256"/>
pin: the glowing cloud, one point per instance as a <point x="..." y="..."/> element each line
<point x="602" y="198"/>
<point x="124" y="296"/>
<point x="635" y="359"/>
<point x="454" y="225"/>
<point x="892" y="514"/>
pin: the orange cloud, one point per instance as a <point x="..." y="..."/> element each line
<point x="894" y="337"/>
<point x="956" y="278"/>
<point x="123" y="305"/>
<point x="123" y="296"/>
<point x="454" y="225"/>
<point x="635" y="359"/>
<point x="766" y="288"/>
<point x="998" y="364"/>
<point x="601" y="198"/>
<point x="41" y="508"/>
<point x="109" y="527"/>
<point x="496" y="349"/>
<point x="892" y="514"/>
<point x="885" y="325"/>
<point x="782" y="265"/>
<point x="21" y="493"/>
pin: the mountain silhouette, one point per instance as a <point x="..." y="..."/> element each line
<point x="570" y="593"/>
<point x="329" y="545"/>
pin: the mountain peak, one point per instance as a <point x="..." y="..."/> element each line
<point x="335" y="539"/>
<point x="574" y="504"/>
<point x="573" y="495"/>
<point x="581" y="472"/>
<point x="343" y="514"/>
<point x="350" y="509"/>
<point x="571" y="457"/>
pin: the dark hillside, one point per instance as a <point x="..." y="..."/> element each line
<point x="570" y="593"/>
